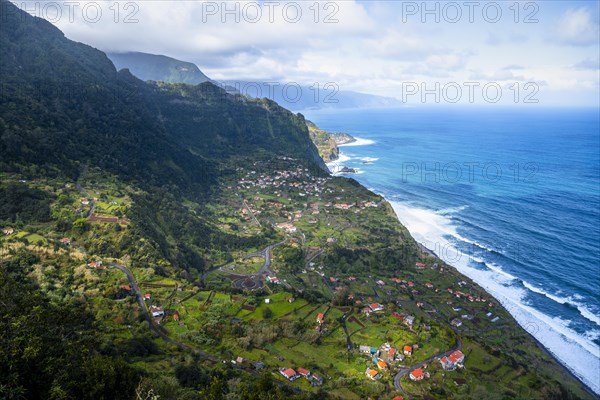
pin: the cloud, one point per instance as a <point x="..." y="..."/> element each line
<point x="587" y="64"/>
<point x="498" y="39"/>
<point x="368" y="49"/>
<point x="499" y="75"/>
<point x="513" y="67"/>
<point x="577" y="27"/>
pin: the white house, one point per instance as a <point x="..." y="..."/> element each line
<point x="157" y="311"/>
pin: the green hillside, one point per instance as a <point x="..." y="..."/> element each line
<point x="170" y="241"/>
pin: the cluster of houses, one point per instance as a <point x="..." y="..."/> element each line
<point x="287" y="227"/>
<point x="383" y="357"/>
<point x="459" y="294"/>
<point x="449" y="363"/>
<point x="386" y="355"/>
<point x="291" y="375"/>
<point x="297" y="178"/>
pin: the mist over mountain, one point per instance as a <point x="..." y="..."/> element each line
<point x="153" y="67"/>
<point x="290" y="95"/>
<point x="296" y="97"/>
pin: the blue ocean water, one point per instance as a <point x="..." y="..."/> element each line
<point x="510" y="197"/>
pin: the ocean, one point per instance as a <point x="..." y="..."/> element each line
<point x="508" y="196"/>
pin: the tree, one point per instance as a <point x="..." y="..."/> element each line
<point x="80" y="225"/>
<point x="267" y="313"/>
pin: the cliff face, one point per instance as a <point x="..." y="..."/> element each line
<point x="326" y="142"/>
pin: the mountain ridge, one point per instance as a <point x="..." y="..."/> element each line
<point x="156" y="67"/>
<point x="298" y="97"/>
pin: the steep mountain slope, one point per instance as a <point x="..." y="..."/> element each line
<point x="67" y="101"/>
<point x="65" y="109"/>
<point x="154" y="67"/>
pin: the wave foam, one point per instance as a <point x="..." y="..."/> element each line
<point x="358" y="142"/>
<point x="435" y="231"/>
<point x="583" y="309"/>
<point x="369" y="159"/>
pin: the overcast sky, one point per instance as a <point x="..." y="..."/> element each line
<point x="379" y="47"/>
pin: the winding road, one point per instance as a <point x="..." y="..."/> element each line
<point x="403" y="371"/>
<point x="254" y="281"/>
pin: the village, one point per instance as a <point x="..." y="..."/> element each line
<point x="311" y="323"/>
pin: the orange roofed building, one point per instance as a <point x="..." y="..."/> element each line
<point x="417" y="375"/>
<point x="320" y="318"/>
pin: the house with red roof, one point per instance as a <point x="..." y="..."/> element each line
<point x="420" y="265"/>
<point x="176" y="317"/>
<point x="96" y="264"/>
<point x="408" y="350"/>
<point x="376" y="307"/>
<point x="398" y="315"/>
<point x="392" y="354"/>
<point x="372" y="374"/>
<point x="453" y="360"/>
<point x="147" y="296"/>
<point x="304" y="372"/>
<point x="289" y="374"/>
<point x="320" y="318"/>
<point x="417" y="375"/>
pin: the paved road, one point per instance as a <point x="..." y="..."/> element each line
<point x="404" y="371"/>
<point x="348" y="340"/>
<point x="312" y="257"/>
<point x="245" y="205"/>
<point x="254" y="281"/>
